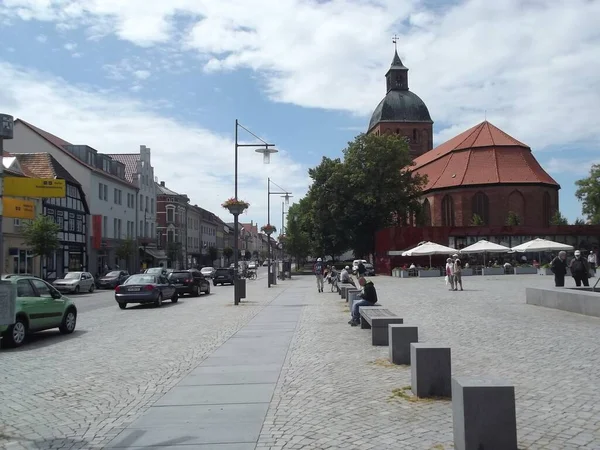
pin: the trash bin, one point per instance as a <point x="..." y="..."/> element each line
<point x="241" y="286"/>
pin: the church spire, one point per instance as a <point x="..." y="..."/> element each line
<point x="397" y="76"/>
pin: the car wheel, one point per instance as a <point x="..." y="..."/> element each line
<point x="16" y="334"/>
<point x="195" y="291"/>
<point x="77" y="289"/>
<point x="158" y="302"/>
<point x="69" y="322"/>
<point x="207" y="289"/>
<point x="175" y="297"/>
<point x="92" y="287"/>
<point x="123" y="305"/>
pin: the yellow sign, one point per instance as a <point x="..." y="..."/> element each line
<point x="18" y="209"/>
<point x="34" y="187"/>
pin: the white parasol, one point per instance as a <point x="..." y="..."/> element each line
<point x="484" y="247"/>
<point x="542" y="245"/>
<point x="428" y="249"/>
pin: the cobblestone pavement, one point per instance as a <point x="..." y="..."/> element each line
<point x="78" y="392"/>
<point x="336" y="391"/>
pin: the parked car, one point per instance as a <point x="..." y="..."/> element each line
<point x="355" y="264"/>
<point x="75" y="282"/>
<point x="112" y="279"/>
<point x="190" y="282"/>
<point x="223" y="276"/>
<point x="145" y="288"/>
<point x="158" y="271"/>
<point x="208" y="272"/>
<point x="39" y="307"/>
<point x="252" y="265"/>
<point x="370" y="270"/>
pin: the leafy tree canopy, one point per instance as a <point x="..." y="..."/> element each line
<point x="558" y="219"/>
<point x="126" y="249"/>
<point x="41" y="235"/>
<point x="588" y="193"/>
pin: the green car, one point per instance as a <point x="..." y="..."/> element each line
<point x="39" y="307"/>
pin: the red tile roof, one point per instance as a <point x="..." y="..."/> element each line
<point x="59" y="143"/>
<point x="483" y="154"/>
<point x="130" y="160"/>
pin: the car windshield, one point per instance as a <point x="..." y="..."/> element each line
<point x="72" y="275"/>
<point x="224" y="270"/>
<point x="207" y="269"/>
<point x="155" y="270"/>
<point x="113" y="274"/>
<point x="141" y="279"/>
<point x="179" y="275"/>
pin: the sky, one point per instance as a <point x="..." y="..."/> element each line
<point x="304" y="75"/>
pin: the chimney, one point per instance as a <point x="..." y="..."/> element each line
<point x="162" y="183"/>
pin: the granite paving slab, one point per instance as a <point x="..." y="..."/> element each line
<point x="237" y="377"/>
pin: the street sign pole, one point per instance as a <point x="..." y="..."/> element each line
<point x="6" y="132"/>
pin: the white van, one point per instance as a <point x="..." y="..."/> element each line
<point x="355" y="264"/>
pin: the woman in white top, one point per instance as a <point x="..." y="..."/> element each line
<point x="450" y="272"/>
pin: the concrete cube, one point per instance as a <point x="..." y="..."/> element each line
<point x="400" y="337"/>
<point x="431" y="373"/>
<point x="352" y="295"/>
<point x="483" y="414"/>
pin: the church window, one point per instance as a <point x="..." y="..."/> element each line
<point x="547" y="209"/>
<point x="415" y="138"/>
<point x="426" y="213"/>
<point x="481" y="207"/>
<point x="447" y="211"/>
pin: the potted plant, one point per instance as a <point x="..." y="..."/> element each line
<point x="235" y="206"/>
<point x="268" y="229"/>
<point x="545" y="270"/>
<point x="525" y="269"/>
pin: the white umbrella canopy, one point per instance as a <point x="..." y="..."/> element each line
<point x="429" y="248"/>
<point x="484" y="247"/>
<point x="542" y="245"/>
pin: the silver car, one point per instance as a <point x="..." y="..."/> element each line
<point x="75" y="282"/>
<point x="208" y="272"/>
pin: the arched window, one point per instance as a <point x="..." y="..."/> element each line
<point x="170" y="214"/>
<point x="447" y="211"/>
<point x="481" y="208"/>
<point x="426" y="213"/>
<point x="415" y="135"/>
<point x="546" y="209"/>
<point x="516" y="205"/>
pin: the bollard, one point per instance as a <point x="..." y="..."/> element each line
<point x="400" y="338"/>
<point x="430" y="370"/>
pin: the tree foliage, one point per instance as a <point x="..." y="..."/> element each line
<point x="228" y="253"/>
<point x="126" y="250"/>
<point x="476" y="220"/>
<point x="213" y="254"/>
<point x="174" y="251"/>
<point x="558" y="219"/>
<point x="41" y="235"/>
<point x="247" y="255"/>
<point x="351" y="199"/>
<point x="513" y="219"/>
<point x="588" y="193"/>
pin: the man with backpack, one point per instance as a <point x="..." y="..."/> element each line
<point x="580" y="271"/>
<point x="369" y="298"/>
<point x="318" y="271"/>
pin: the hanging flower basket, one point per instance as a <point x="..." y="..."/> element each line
<point x="268" y="229"/>
<point x="235" y="207"/>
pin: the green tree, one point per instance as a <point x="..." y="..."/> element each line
<point x="228" y="253"/>
<point x="125" y="251"/>
<point x="213" y="254"/>
<point x="378" y="188"/>
<point x="41" y="236"/>
<point x="297" y="242"/>
<point x="513" y="219"/>
<point x="588" y="193"/>
<point x="558" y="219"/>
<point x="255" y="254"/>
<point x="247" y="255"/>
<point x="477" y="221"/>
<point x="174" y="251"/>
<point x="579" y="221"/>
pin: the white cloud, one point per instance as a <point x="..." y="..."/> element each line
<point x="141" y="74"/>
<point x="571" y="166"/>
<point x="188" y="157"/>
<point x="70" y="46"/>
<point x="531" y="65"/>
<point x="42" y="39"/>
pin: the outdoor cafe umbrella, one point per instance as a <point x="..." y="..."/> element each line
<point x="542" y="245"/>
<point x="484" y="247"/>
<point x="429" y="248"/>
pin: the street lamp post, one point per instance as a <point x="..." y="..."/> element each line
<point x="266" y="149"/>
<point x="286" y="195"/>
<point x="6" y="132"/>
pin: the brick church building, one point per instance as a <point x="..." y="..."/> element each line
<point x="477" y="177"/>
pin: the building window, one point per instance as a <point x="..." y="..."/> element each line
<point x="119" y="229"/>
<point x="141" y="229"/>
<point x="170" y="214"/>
<point x="481" y="208"/>
<point x="447" y="211"/>
<point x="141" y="202"/>
<point x="426" y="213"/>
<point x="547" y="209"/>
<point x="104" y="226"/>
<point x="170" y="236"/>
<point x="415" y="136"/>
<point x="152" y="206"/>
<point x="100" y="191"/>
<point x="115" y="229"/>
<point x="151" y="229"/>
<point x="105" y="192"/>
<point x="147" y="204"/>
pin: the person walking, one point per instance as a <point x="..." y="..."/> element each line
<point x="580" y="271"/>
<point x="450" y="273"/>
<point x="558" y="266"/>
<point x="457" y="273"/>
<point x="318" y="271"/>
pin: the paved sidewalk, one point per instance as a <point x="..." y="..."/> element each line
<point x="222" y="403"/>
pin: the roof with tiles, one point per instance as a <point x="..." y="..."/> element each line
<point x="481" y="155"/>
<point x="161" y="189"/>
<point x="130" y="160"/>
<point x="60" y="143"/>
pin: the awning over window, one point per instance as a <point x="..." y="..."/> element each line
<point x="155" y="253"/>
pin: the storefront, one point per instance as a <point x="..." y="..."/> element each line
<point x="21" y="261"/>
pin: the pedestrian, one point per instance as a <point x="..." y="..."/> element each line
<point x="580" y="271"/>
<point x="318" y="271"/>
<point x="558" y="266"/>
<point x="592" y="259"/>
<point x="457" y="273"/>
<point x="369" y="298"/>
<point x="361" y="269"/>
<point x="450" y="273"/>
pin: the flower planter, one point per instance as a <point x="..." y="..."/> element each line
<point x="525" y="270"/>
<point x="468" y="272"/>
<point x="236" y="210"/>
<point x="396" y="273"/>
<point x="492" y="271"/>
<point x="404" y="274"/>
<point x="429" y="273"/>
<point x="544" y="271"/>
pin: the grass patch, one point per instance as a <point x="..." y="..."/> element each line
<point x="384" y="362"/>
<point x="405" y="394"/>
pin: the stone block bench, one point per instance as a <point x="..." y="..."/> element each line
<point x="483" y="414"/>
<point x="430" y="371"/>
<point x="377" y="320"/>
<point x="400" y="338"/>
<point x="343" y="289"/>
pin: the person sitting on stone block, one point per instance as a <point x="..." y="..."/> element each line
<point x="369" y="298"/>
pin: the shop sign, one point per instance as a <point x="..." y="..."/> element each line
<point x="35" y="187"/>
<point x="18" y="209"/>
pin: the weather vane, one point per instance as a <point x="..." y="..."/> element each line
<point x="395" y="41"/>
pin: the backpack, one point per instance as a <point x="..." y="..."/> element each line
<point x="318" y="269"/>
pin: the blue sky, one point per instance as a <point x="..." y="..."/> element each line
<point x="175" y="76"/>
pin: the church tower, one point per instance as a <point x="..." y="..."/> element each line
<point x="403" y="112"/>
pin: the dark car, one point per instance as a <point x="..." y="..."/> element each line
<point x="145" y="288"/>
<point x="223" y="276"/>
<point x="369" y="270"/>
<point x="112" y="279"/>
<point x="190" y="282"/>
